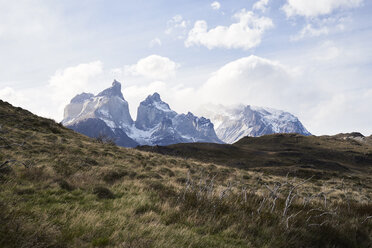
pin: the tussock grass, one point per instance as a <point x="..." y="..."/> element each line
<point x="62" y="189"/>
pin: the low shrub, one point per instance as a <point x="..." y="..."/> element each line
<point x="103" y="193"/>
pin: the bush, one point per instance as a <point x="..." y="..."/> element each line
<point x="146" y="208"/>
<point x="65" y="185"/>
<point x="103" y="193"/>
<point x="33" y="174"/>
<point x="102" y="241"/>
<point x="25" y="191"/>
<point x="104" y="139"/>
<point x="112" y="176"/>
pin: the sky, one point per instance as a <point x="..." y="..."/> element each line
<point x="310" y="58"/>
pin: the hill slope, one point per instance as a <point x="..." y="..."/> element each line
<point x="59" y="188"/>
<point x="341" y="153"/>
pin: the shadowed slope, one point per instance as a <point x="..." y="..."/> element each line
<point x="279" y="150"/>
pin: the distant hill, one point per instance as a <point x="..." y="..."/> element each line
<point x="346" y="152"/>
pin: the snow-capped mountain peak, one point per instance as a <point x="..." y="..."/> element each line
<point x="109" y="106"/>
<point x="81" y="97"/>
<point x="153" y="98"/>
<point x="152" y="111"/>
<point x="155" y="101"/>
<point x="156" y="124"/>
<point x="114" y="90"/>
<point x="234" y="122"/>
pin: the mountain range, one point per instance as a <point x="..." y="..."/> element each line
<point x="107" y="114"/>
<point x="157" y="124"/>
<point x="59" y="188"/>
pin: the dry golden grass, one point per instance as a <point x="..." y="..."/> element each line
<point x="62" y="189"/>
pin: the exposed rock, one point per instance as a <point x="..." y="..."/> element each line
<point x="166" y="127"/>
<point x="152" y="111"/>
<point x="94" y="127"/>
<point x="234" y="123"/>
<point x="108" y="114"/>
<point x="109" y="106"/>
<point x="195" y="128"/>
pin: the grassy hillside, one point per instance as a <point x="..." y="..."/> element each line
<point x="285" y="152"/>
<point x="62" y="189"/>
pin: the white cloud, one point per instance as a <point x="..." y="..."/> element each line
<point x="31" y="99"/>
<point x="325" y="103"/>
<point x="327" y="52"/>
<point x="75" y="79"/>
<point x="174" y="95"/>
<point x="67" y="83"/>
<point x="250" y="80"/>
<point x="215" y="5"/>
<point x="155" y="42"/>
<point x="177" y="27"/>
<point x="331" y="69"/>
<point x="310" y="31"/>
<point x="10" y="95"/>
<point x="317" y="94"/>
<point x="245" y="34"/>
<point x="344" y="112"/>
<point x="25" y="19"/>
<point x="261" y="5"/>
<point x="314" y="8"/>
<point x="322" y="26"/>
<point x="136" y="93"/>
<point x="50" y="100"/>
<point x="153" y="67"/>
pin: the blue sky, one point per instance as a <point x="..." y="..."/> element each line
<point x="311" y="58"/>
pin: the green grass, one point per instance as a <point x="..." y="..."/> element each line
<point x="62" y="189"/>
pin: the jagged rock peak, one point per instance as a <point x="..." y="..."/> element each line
<point x="234" y="122"/>
<point x="151" y="112"/>
<point x="153" y="98"/>
<point x="114" y="90"/>
<point x="190" y="114"/>
<point x="157" y="124"/>
<point x="80" y="98"/>
<point x="154" y="101"/>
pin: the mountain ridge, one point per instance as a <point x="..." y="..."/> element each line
<point x="156" y="122"/>
<point x="234" y="123"/>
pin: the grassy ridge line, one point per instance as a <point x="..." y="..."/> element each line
<point x="62" y="189"/>
<point x="325" y="153"/>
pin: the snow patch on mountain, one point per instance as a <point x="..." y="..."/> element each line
<point x="156" y="123"/>
<point x="235" y="122"/>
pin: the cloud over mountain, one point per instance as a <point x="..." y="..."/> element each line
<point x="153" y="67"/>
<point x="249" y="79"/>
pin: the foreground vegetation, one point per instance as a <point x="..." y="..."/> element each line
<point x="62" y="189"/>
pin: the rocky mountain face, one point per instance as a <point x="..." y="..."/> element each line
<point x="108" y="114"/>
<point x="94" y="127"/>
<point x="234" y="123"/>
<point x="109" y="106"/>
